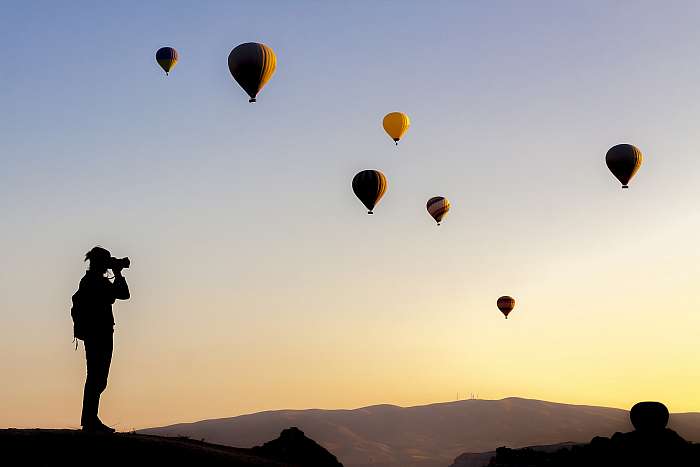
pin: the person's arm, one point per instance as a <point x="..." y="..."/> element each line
<point x="120" y="287"/>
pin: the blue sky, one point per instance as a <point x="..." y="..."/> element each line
<point x="240" y="216"/>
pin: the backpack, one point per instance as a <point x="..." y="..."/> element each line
<point x="77" y="312"/>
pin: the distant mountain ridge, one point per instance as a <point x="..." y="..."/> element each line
<point x="429" y="435"/>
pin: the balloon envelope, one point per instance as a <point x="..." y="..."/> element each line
<point x="396" y="124"/>
<point x="438" y="208"/>
<point x="167" y="58"/>
<point x="624" y="161"/>
<point x="369" y="186"/>
<point x="252" y="65"/>
<point x="505" y="304"/>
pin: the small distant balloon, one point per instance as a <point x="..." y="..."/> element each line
<point x="167" y="58"/>
<point x="438" y="207"/>
<point x="252" y="65"/>
<point x="369" y="186"/>
<point x="505" y="304"/>
<point x="396" y="125"/>
<point x="624" y="161"/>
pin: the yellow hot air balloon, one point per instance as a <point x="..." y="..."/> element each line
<point x="396" y="124"/>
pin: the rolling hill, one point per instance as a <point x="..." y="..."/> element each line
<point x="426" y="436"/>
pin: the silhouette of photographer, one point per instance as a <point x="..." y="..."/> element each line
<point x="93" y="323"/>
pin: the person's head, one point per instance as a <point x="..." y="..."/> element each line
<point x="99" y="259"/>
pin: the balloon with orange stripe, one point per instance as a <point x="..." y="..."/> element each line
<point x="369" y="186"/>
<point x="252" y="65"/>
<point x="167" y="58"/>
<point x="505" y="304"/>
<point x="438" y="207"/>
<point x="624" y="160"/>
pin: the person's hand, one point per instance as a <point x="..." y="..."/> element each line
<point x="117" y="271"/>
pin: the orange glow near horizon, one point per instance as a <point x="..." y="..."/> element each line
<point x="258" y="281"/>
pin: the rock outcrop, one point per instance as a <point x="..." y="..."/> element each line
<point x="650" y="444"/>
<point x="73" y="448"/>
<point x="295" y="448"/>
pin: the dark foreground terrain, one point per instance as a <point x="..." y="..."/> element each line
<point x="481" y="459"/>
<point x="665" y="449"/>
<point x="58" y="448"/>
<point x="650" y="444"/>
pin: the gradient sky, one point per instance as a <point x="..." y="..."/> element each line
<point x="259" y="282"/>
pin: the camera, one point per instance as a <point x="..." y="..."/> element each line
<point x="119" y="263"/>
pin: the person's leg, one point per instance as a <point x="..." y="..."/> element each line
<point x="98" y="353"/>
<point x="91" y="395"/>
<point x="104" y="362"/>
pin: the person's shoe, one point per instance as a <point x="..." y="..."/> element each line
<point x="104" y="428"/>
<point x="90" y="428"/>
<point x="97" y="427"/>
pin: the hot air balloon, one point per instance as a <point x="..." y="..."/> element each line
<point x="438" y="208"/>
<point x="623" y="161"/>
<point x="396" y="124"/>
<point x="369" y="186"/>
<point x="252" y="65"/>
<point x="167" y="58"/>
<point x="506" y="305"/>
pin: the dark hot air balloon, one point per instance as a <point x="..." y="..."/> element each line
<point x="623" y="161"/>
<point x="505" y="304"/>
<point x="252" y="65"/>
<point x="369" y="186"/>
<point x="167" y="58"/>
<point x="438" y="208"/>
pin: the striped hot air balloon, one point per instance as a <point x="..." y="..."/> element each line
<point x="167" y="58"/>
<point x="252" y="65"/>
<point x="369" y="186"/>
<point x="396" y="125"/>
<point x="505" y="304"/>
<point x="438" y="208"/>
<point x="624" y="161"/>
